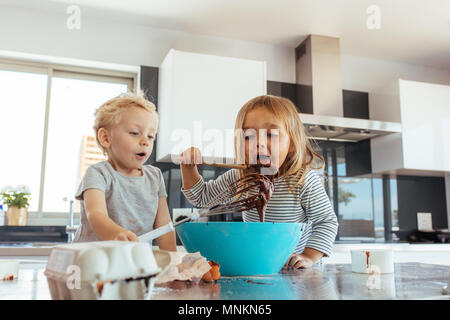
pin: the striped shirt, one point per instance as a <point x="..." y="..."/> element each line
<point x="307" y="203"/>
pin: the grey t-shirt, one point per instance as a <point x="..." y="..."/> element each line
<point x="132" y="202"/>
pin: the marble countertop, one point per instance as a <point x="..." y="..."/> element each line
<point x="327" y="281"/>
<point x="44" y="248"/>
<point x="400" y="246"/>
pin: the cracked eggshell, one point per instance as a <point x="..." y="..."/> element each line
<point x="180" y="266"/>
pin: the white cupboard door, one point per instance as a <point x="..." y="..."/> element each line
<point x="425" y="114"/>
<point x="199" y="98"/>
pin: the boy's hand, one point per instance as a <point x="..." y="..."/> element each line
<point x="191" y="157"/>
<point x="126" y="235"/>
<point x="299" y="261"/>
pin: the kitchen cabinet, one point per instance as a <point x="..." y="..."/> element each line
<point x="199" y="96"/>
<point x="424" y="112"/>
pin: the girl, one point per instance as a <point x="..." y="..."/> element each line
<point x="121" y="197"/>
<point x="270" y="132"/>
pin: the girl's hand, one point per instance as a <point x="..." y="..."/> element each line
<point x="188" y="165"/>
<point x="299" y="261"/>
<point x="191" y="157"/>
<point x="126" y="235"/>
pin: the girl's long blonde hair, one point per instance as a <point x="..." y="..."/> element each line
<point x="302" y="158"/>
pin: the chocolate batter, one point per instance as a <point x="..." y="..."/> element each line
<point x="259" y="201"/>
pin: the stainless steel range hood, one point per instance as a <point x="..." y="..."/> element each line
<point x="318" y="74"/>
<point x="342" y="129"/>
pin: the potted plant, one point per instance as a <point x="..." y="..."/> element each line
<point x="17" y="199"/>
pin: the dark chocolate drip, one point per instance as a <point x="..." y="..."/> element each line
<point x="258" y="201"/>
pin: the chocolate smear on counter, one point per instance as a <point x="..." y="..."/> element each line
<point x="254" y="282"/>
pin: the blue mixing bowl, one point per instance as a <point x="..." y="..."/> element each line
<point x="242" y="248"/>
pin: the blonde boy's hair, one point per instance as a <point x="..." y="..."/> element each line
<point x="298" y="161"/>
<point x="108" y="114"/>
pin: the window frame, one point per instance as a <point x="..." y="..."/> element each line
<point x="100" y="74"/>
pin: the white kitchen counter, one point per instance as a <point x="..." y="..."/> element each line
<point x="417" y="266"/>
<point x="403" y="252"/>
<point x="39" y="250"/>
<point x="346" y="247"/>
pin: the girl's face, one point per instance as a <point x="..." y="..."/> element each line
<point x="130" y="142"/>
<point x="266" y="139"/>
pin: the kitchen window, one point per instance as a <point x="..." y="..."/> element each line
<point x="394" y="203"/>
<point x="357" y="199"/>
<point x="72" y="106"/>
<point x="48" y="114"/>
<point x="360" y="208"/>
<point x="22" y="114"/>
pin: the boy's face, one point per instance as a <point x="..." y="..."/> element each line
<point x="266" y="139"/>
<point x="131" y="141"/>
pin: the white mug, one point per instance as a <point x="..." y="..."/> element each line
<point x="373" y="261"/>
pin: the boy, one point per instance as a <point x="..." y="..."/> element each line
<point x="121" y="198"/>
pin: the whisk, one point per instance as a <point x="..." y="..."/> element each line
<point x="228" y="201"/>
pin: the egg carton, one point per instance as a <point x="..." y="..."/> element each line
<point x="103" y="270"/>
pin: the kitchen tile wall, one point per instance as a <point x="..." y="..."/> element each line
<point x="420" y="194"/>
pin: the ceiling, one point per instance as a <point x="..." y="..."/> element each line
<point x="411" y="31"/>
